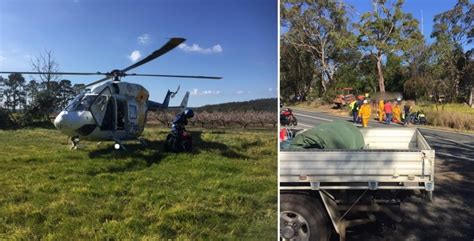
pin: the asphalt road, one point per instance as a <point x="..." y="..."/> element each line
<point x="448" y="145"/>
<point x="451" y="214"/>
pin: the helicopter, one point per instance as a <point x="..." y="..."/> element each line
<point x="114" y="110"/>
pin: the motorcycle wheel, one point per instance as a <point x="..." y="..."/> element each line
<point x="186" y="145"/>
<point x="170" y="142"/>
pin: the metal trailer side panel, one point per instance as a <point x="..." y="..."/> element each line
<point x="412" y="163"/>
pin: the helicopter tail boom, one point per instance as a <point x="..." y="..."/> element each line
<point x="153" y="106"/>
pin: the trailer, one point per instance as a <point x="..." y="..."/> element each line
<point x="324" y="192"/>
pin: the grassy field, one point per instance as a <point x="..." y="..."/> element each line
<point x="227" y="189"/>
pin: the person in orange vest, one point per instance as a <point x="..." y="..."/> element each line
<point x="364" y="113"/>
<point x="381" y="112"/>
<point x="397" y="113"/>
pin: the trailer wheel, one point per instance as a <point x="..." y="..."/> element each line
<point x="303" y="218"/>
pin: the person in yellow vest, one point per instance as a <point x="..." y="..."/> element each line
<point x="381" y="112"/>
<point x="397" y="113"/>
<point x="364" y="113"/>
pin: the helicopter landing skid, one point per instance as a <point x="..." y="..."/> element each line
<point x="74" y="142"/>
<point x="143" y="141"/>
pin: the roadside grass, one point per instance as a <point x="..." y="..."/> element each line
<point x="456" y="116"/>
<point x="453" y="116"/>
<point x="227" y="189"/>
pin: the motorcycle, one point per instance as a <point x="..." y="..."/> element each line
<point x="183" y="143"/>
<point x="288" y="119"/>
<point x="417" y="118"/>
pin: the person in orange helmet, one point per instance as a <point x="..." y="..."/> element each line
<point x="364" y="113"/>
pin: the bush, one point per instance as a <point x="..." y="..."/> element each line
<point x="6" y="121"/>
<point x="451" y="119"/>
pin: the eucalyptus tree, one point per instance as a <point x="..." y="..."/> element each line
<point x="319" y="27"/>
<point x="387" y="30"/>
<point x="454" y="34"/>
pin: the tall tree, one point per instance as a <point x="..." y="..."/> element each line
<point x="46" y="63"/>
<point x="296" y="71"/>
<point x="31" y="90"/>
<point x="319" y="27"/>
<point x="66" y="93"/>
<point x="385" y="30"/>
<point x="454" y="33"/>
<point x="14" y="92"/>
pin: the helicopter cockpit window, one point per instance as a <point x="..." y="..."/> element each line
<point x="81" y="102"/>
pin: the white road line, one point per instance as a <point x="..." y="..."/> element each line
<point x="453" y="156"/>
<point x="300" y="124"/>
<point x="313" y="117"/>
<point x="434" y="137"/>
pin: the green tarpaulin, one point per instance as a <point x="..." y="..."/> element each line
<point x="332" y="135"/>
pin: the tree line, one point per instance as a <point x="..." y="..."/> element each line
<point x="23" y="102"/>
<point x="327" y="45"/>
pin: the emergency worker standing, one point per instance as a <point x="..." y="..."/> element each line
<point x="381" y="110"/>
<point x="364" y="113"/>
<point x="397" y="113"/>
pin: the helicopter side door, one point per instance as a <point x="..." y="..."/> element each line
<point x="100" y="105"/>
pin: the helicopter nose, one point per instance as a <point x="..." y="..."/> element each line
<point x="69" y="122"/>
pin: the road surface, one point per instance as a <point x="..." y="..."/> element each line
<point x="451" y="215"/>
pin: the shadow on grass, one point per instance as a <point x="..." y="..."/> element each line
<point x="222" y="149"/>
<point x="155" y="151"/>
<point x="152" y="153"/>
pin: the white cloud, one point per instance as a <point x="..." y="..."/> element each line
<point x="198" y="49"/>
<point x="144" y="38"/>
<point x="239" y="92"/>
<point x="195" y="92"/>
<point x="211" y="92"/>
<point x="205" y="92"/>
<point x="134" y="56"/>
<point x="2" y="58"/>
<point x="270" y="89"/>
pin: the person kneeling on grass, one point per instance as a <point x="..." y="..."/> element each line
<point x="364" y="113"/>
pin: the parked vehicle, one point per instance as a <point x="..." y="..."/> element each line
<point x="287" y="118"/>
<point x="345" y="97"/>
<point x="183" y="143"/>
<point x="324" y="192"/>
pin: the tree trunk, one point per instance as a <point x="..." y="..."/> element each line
<point x="380" y="74"/>
<point x="323" y="64"/>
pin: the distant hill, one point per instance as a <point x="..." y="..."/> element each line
<point x="269" y="104"/>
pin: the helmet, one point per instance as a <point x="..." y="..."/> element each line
<point x="188" y="113"/>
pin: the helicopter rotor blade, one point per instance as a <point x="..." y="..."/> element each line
<point x="52" y="73"/>
<point x="175" y="76"/>
<point x="171" y="44"/>
<point x="97" y="81"/>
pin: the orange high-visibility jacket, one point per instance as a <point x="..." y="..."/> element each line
<point x="381" y="106"/>
<point x="397" y="112"/>
<point x="364" y="111"/>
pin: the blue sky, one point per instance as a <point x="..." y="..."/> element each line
<point x="233" y="39"/>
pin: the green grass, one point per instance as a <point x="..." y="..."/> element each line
<point x="226" y="190"/>
<point x="452" y="107"/>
